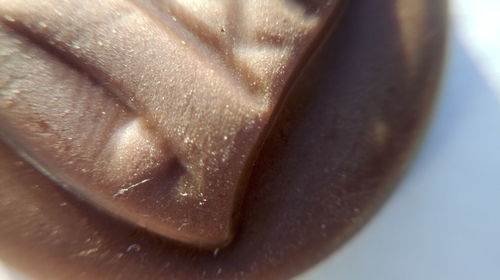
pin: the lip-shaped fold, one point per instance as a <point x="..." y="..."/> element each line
<point x="152" y="111"/>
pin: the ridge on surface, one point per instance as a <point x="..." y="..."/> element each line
<point x="151" y="110"/>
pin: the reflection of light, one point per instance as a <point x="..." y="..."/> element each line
<point x="380" y="132"/>
<point x="411" y="25"/>
<point x="479" y="23"/>
<point x="3" y="272"/>
<point x="7" y="274"/>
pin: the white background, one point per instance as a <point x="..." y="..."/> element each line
<point x="444" y="220"/>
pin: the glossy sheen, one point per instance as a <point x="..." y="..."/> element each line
<point x="343" y="137"/>
<point x="151" y="110"/>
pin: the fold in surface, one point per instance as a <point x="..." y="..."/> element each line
<point x="152" y="110"/>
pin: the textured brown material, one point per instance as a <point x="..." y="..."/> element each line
<point x="343" y="137"/>
<point x="151" y="110"/>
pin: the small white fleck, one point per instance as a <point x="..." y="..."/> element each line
<point x="182" y="226"/>
<point x="216" y="251"/>
<point x="75" y="45"/>
<point x="133" y="248"/>
<point x="123" y="191"/>
<point x="88" y="252"/>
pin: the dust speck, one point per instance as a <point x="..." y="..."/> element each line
<point x="134" y="248"/>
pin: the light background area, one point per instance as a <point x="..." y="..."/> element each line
<point x="443" y="222"/>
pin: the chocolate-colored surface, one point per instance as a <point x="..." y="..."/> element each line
<point x="342" y="139"/>
<point x="151" y="110"/>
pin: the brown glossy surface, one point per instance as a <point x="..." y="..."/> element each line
<point x="151" y="110"/>
<point x="342" y="139"/>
